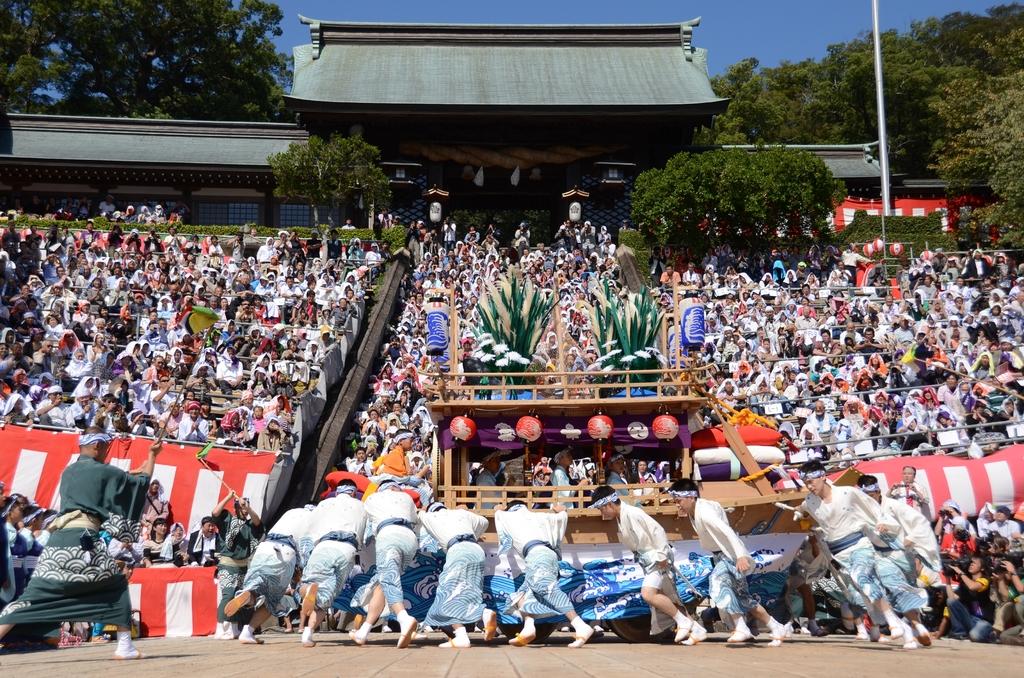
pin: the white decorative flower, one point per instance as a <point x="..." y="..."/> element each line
<point x="500" y="348"/>
<point x="501" y="362"/>
<point x="642" y="354"/>
<point x="628" y="358"/>
<point x="505" y="432"/>
<point x="571" y="432"/>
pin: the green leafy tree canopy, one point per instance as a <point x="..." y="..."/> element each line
<point x="191" y="59"/>
<point x="745" y="198"/>
<point x="331" y="172"/>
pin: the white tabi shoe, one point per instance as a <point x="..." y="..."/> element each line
<point x="697" y="634"/>
<point x="740" y="637"/>
<point x="683" y="631"/>
<point x="921" y="635"/>
<point x="582" y="637"/>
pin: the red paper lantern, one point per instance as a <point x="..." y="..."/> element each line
<point x="665" y="427"/>
<point x="896" y="249"/>
<point x="600" y="427"/>
<point x="869" y="249"/>
<point x="529" y="428"/>
<point x="462" y="428"/>
<point x="879" y="246"/>
<point x="926" y="255"/>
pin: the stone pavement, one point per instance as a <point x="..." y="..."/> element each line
<point x="608" y="656"/>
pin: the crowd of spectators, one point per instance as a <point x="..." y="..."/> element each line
<point x="90" y="323"/>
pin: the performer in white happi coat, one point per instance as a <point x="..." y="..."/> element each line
<point x="896" y="554"/>
<point x="459" y="599"/>
<point x="845" y="516"/>
<point x="642" y="535"/>
<point x="732" y="563"/>
<point x="336" y="530"/>
<point x="391" y="522"/>
<point x="537" y="537"/>
<point x="271" y="570"/>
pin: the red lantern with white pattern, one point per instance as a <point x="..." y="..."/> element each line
<point x="879" y="246"/>
<point x="869" y="249"/>
<point x="926" y="255"/>
<point x="896" y="249"/>
<point x="600" y="427"/>
<point x="462" y="428"/>
<point x="529" y="428"/>
<point x="665" y="427"/>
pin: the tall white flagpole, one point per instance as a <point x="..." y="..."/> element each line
<point x="883" y="144"/>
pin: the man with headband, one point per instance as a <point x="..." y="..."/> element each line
<point x="391" y="521"/>
<point x="896" y="554"/>
<point x="459" y="599"/>
<point x="537" y="537"/>
<point x="336" y="529"/>
<point x="242" y="533"/>
<point x="271" y="571"/>
<point x="642" y="534"/>
<point x="845" y="515"/>
<point x="76" y="578"/>
<point x="732" y="563"/>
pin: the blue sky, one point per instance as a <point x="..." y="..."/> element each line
<point x="772" y="31"/>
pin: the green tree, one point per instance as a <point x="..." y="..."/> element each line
<point x="193" y="59"/>
<point x="747" y="199"/>
<point x="333" y="171"/>
<point x="984" y="113"/>
<point x="832" y="100"/>
<point x="27" y="64"/>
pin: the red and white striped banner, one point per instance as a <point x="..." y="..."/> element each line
<point x="176" y="602"/>
<point x="32" y="461"/>
<point x="903" y="207"/>
<point x="971" y="483"/>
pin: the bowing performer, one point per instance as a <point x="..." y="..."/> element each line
<point x="537" y="536"/>
<point x="459" y="599"/>
<point x="642" y="534"/>
<point x="391" y="520"/>
<point x="270" y="573"/>
<point x="336" y="530"/>
<point x="732" y="563"/>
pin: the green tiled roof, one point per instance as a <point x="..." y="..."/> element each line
<point x="143" y="142"/>
<point x="502" y="66"/>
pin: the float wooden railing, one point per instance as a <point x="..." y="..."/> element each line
<point x="620" y="385"/>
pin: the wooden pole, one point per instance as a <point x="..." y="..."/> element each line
<point x="453" y="342"/>
<point x="678" y="348"/>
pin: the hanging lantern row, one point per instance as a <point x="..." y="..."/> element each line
<point x="599" y="427"/>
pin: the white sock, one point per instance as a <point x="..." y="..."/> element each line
<point x="246" y="633"/>
<point x="529" y="628"/>
<point x="892" y="620"/>
<point x="862" y="629"/>
<point x="404" y="618"/>
<point x="741" y="624"/>
<point x="580" y="626"/>
<point x="682" y="621"/>
<point x="460" y="634"/>
<point x="307" y="634"/>
<point x="125" y="647"/>
<point x="364" y="631"/>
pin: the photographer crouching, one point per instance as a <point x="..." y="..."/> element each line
<point x="1008" y="592"/>
<point x="969" y="607"/>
